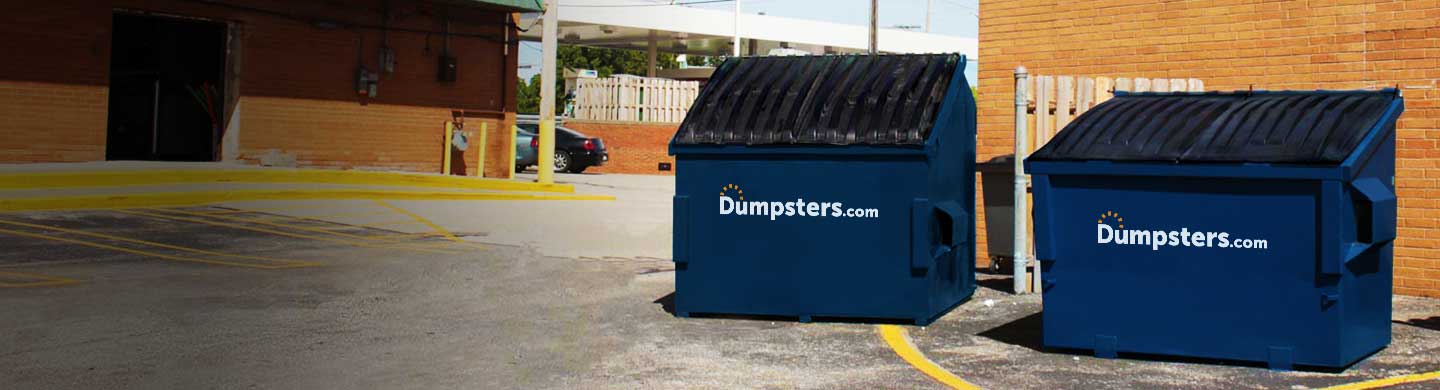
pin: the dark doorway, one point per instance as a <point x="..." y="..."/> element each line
<point x="167" y="88"/>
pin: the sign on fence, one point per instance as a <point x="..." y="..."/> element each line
<point x="634" y="99"/>
<point x="1057" y="100"/>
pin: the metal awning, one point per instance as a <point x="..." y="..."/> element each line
<point x="639" y="24"/>
<point x="503" y="5"/>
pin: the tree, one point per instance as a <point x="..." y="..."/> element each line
<point x="704" y="60"/>
<point x="608" y="62"/>
<point x="528" y="96"/>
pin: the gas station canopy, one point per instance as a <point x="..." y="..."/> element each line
<point x="635" y="24"/>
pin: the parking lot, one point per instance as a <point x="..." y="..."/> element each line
<point x="342" y="294"/>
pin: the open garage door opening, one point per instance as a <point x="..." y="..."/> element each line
<point x="166" y="88"/>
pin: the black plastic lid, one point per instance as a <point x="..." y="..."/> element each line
<point x="829" y="100"/>
<point x="1305" y="127"/>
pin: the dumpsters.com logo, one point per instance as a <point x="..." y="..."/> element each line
<point x="732" y="202"/>
<point x="1156" y="238"/>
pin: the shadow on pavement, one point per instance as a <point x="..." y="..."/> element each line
<point x="1024" y="332"/>
<point x="998" y="284"/>
<point x="667" y="303"/>
<point x="1432" y="323"/>
<point x="1027" y="332"/>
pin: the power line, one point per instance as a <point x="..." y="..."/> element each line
<point x="645" y="5"/>
<point x="961" y="5"/>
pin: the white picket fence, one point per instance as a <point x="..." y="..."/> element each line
<point x="634" y="99"/>
<point x="1048" y="94"/>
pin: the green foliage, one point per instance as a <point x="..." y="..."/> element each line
<point x="528" y="96"/>
<point x="704" y="60"/>
<point x="609" y="61"/>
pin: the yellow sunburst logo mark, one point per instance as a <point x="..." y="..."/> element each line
<point x="739" y="193"/>
<point x="1111" y="215"/>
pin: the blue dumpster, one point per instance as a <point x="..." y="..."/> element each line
<point x="1247" y="226"/>
<point x="827" y="186"/>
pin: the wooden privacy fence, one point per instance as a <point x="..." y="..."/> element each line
<point x="1049" y="94"/>
<point x="634" y="99"/>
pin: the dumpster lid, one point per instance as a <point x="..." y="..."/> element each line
<point x="1305" y="127"/>
<point x="890" y="99"/>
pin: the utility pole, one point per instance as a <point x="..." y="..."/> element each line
<point x="736" y="41"/>
<point x="874" y="26"/>
<point x="548" y="42"/>
<point x="651" y="54"/>
<point x="928" y="5"/>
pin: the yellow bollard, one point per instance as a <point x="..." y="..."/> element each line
<point x="484" y="135"/>
<point x="547" y="151"/>
<point x="449" y="134"/>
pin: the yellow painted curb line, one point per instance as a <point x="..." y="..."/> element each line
<point x="899" y="342"/>
<point x="24" y="181"/>
<point x="1387" y="382"/>
<point x="164" y="199"/>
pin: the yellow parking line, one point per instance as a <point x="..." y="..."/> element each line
<point x="1387" y="382"/>
<point x="172" y="199"/>
<point x="103" y="178"/>
<point x="163" y="245"/>
<point x="266" y="216"/>
<point x="278" y="232"/>
<point x="420" y="219"/>
<point x="153" y="254"/>
<point x="264" y="210"/>
<point x="899" y="342"/>
<point x="45" y="280"/>
<point x="388" y="223"/>
<point x="281" y="225"/>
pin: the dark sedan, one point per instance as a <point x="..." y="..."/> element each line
<point x="574" y="152"/>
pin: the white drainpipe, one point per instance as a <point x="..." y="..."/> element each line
<point x="1022" y="136"/>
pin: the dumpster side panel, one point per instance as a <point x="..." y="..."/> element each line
<point x="953" y="180"/>
<point x="764" y="238"/>
<point x="1204" y="267"/>
<point x="1367" y="278"/>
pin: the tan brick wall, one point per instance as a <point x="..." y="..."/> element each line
<point x="1232" y="45"/>
<point x="46" y="122"/>
<point x="634" y="147"/>
<point x="66" y="54"/>
<point x="332" y="134"/>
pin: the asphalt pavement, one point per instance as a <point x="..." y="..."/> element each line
<point x="496" y="294"/>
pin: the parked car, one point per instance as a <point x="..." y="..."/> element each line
<point x="574" y="151"/>
<point x="524" y="154"/>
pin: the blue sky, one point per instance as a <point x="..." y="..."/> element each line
<point x="950" y="17"/>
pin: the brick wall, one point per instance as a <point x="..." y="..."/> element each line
<point x="47" y="122"/>
<point x="349" y="136"/>
<point x="67" y="46"/>
<point x="636" y="148"/>
<point x="1232" y="45"/>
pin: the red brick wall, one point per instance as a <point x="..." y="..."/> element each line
<point x="1232" y="45"/>
<point x="634" y="147"/>
<point x="67" y="42"/>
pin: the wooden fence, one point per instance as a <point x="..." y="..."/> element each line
<point x="634" y="99"/>
<point x="1049" y="94"/>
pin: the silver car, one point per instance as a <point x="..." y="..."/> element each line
<point x="524" y="153"/>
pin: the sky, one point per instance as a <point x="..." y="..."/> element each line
<point x="949" y="17"/>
